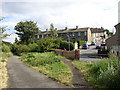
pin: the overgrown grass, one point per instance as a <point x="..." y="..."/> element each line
<point x="101" y="74"/>
<point x="50" y="65"/>
<point x="4" y="54"/>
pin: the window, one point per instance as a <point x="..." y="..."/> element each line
<point x="36" y="36"/>
<point x="67" y="34"/>
<point x="73" y="34"/>
<point x="40" y="36"/>
<point x="85" y="33"/>
<point x="78" y="33"/>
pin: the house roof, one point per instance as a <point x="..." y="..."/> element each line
<point x="97" y="30"/>
<point x="93" y="30"/>
<point x="66" y="30"/>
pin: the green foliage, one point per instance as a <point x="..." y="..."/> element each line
<point x="48" y="44"/>
<point x="50" y="65"/>
<point x="5" y="48"/>
<point x="6" y="52"/>
<point x="6" y="55"/>
<point x="36" y="59"/>
<point x="101" y="74"/>
<point x="106" y="73"/>
<point x="109" y="33"/>
<point x="2" y="30"/>
<point x="41" y="46"/>
<point x="53" y="31"/>
<point x="26" y="31"/>
<point x="81" y="42"/>
<point x="18" y="49"/>
<point x="33" y="47"/>
<point x="65" y="45"/>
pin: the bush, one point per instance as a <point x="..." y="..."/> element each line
<point x="5" y="48"/>
<point x="18" y="49"/>
<point x="48" y="44"/>
<point x="65" y="45"/>
<point x="32" y="47"/>
<point x="106" y="73"/>
<point x="81" y="42"/>
<point x="6" y="51"/>
<point x="6" y="55"/>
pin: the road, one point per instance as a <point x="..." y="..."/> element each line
<point x="22" y="76"/>
<point x="89" y="55"/>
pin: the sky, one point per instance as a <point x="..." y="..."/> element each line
<point x="62" y="13"/>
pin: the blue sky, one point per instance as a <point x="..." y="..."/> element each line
<point x="62" y="13"/>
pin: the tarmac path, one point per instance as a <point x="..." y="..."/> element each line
<point x="22" y="76"/>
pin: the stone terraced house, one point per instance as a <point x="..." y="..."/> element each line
<point x="114" y="41"/>
<point x="77" y="34"/>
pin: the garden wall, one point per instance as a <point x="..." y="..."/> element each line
<point x="70" y="54"/>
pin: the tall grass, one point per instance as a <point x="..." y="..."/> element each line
<point x="101" y="74"/>
<point x="106" y="73"/>
<point x="50" y="65"/>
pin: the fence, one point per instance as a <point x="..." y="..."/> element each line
<point x="70" y="54"/>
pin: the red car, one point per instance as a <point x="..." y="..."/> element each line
<point x="103" y="44"/>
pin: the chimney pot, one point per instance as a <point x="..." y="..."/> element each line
<point x="47" y="30"/>
<point x="65" y="28"/>
<point x="76" y="27"/>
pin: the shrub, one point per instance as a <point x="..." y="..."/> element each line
<point x="18" y="49"/>
<point x="5" y="48"/>
<point x="81" y="42"/>
<point x="48" y="44"/>
<point x="65" y="45"/>
<point x="106" y="73"/>
<point x="32" y="47"/>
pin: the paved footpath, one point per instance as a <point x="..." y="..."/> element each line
<point x="78" y="79"/>
<point x="22" y="76"/>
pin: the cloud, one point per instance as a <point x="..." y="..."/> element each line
<point x="10" y="38"/>
<point x="62" y="13"/>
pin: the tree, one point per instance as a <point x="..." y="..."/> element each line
<point x="2" y="30"/>
<point x="53" y="31"/>
<point x="109" y="33"/>
<point x="26" y="31"/>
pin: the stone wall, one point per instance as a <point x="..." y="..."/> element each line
<point x="69" y="54"/>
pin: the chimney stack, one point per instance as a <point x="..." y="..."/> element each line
<point x="76" y="27"/>
<point x="66" y="28"/>
<point x="47" y="30"/>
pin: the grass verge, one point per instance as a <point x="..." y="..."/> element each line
<point x="101" y="74"/>
<point x="50" y="65"/>
<point x="3" y="69"/>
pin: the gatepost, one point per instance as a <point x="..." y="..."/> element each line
<point x="77" y="54"/>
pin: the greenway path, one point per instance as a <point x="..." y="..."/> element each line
<point x="22" y="76"/>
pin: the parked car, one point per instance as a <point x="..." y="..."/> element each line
<point x="92" y="43"/>
<point x="98" y="47"/>
<point x="85" y="46"/>
<point x="103" y="43"/>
